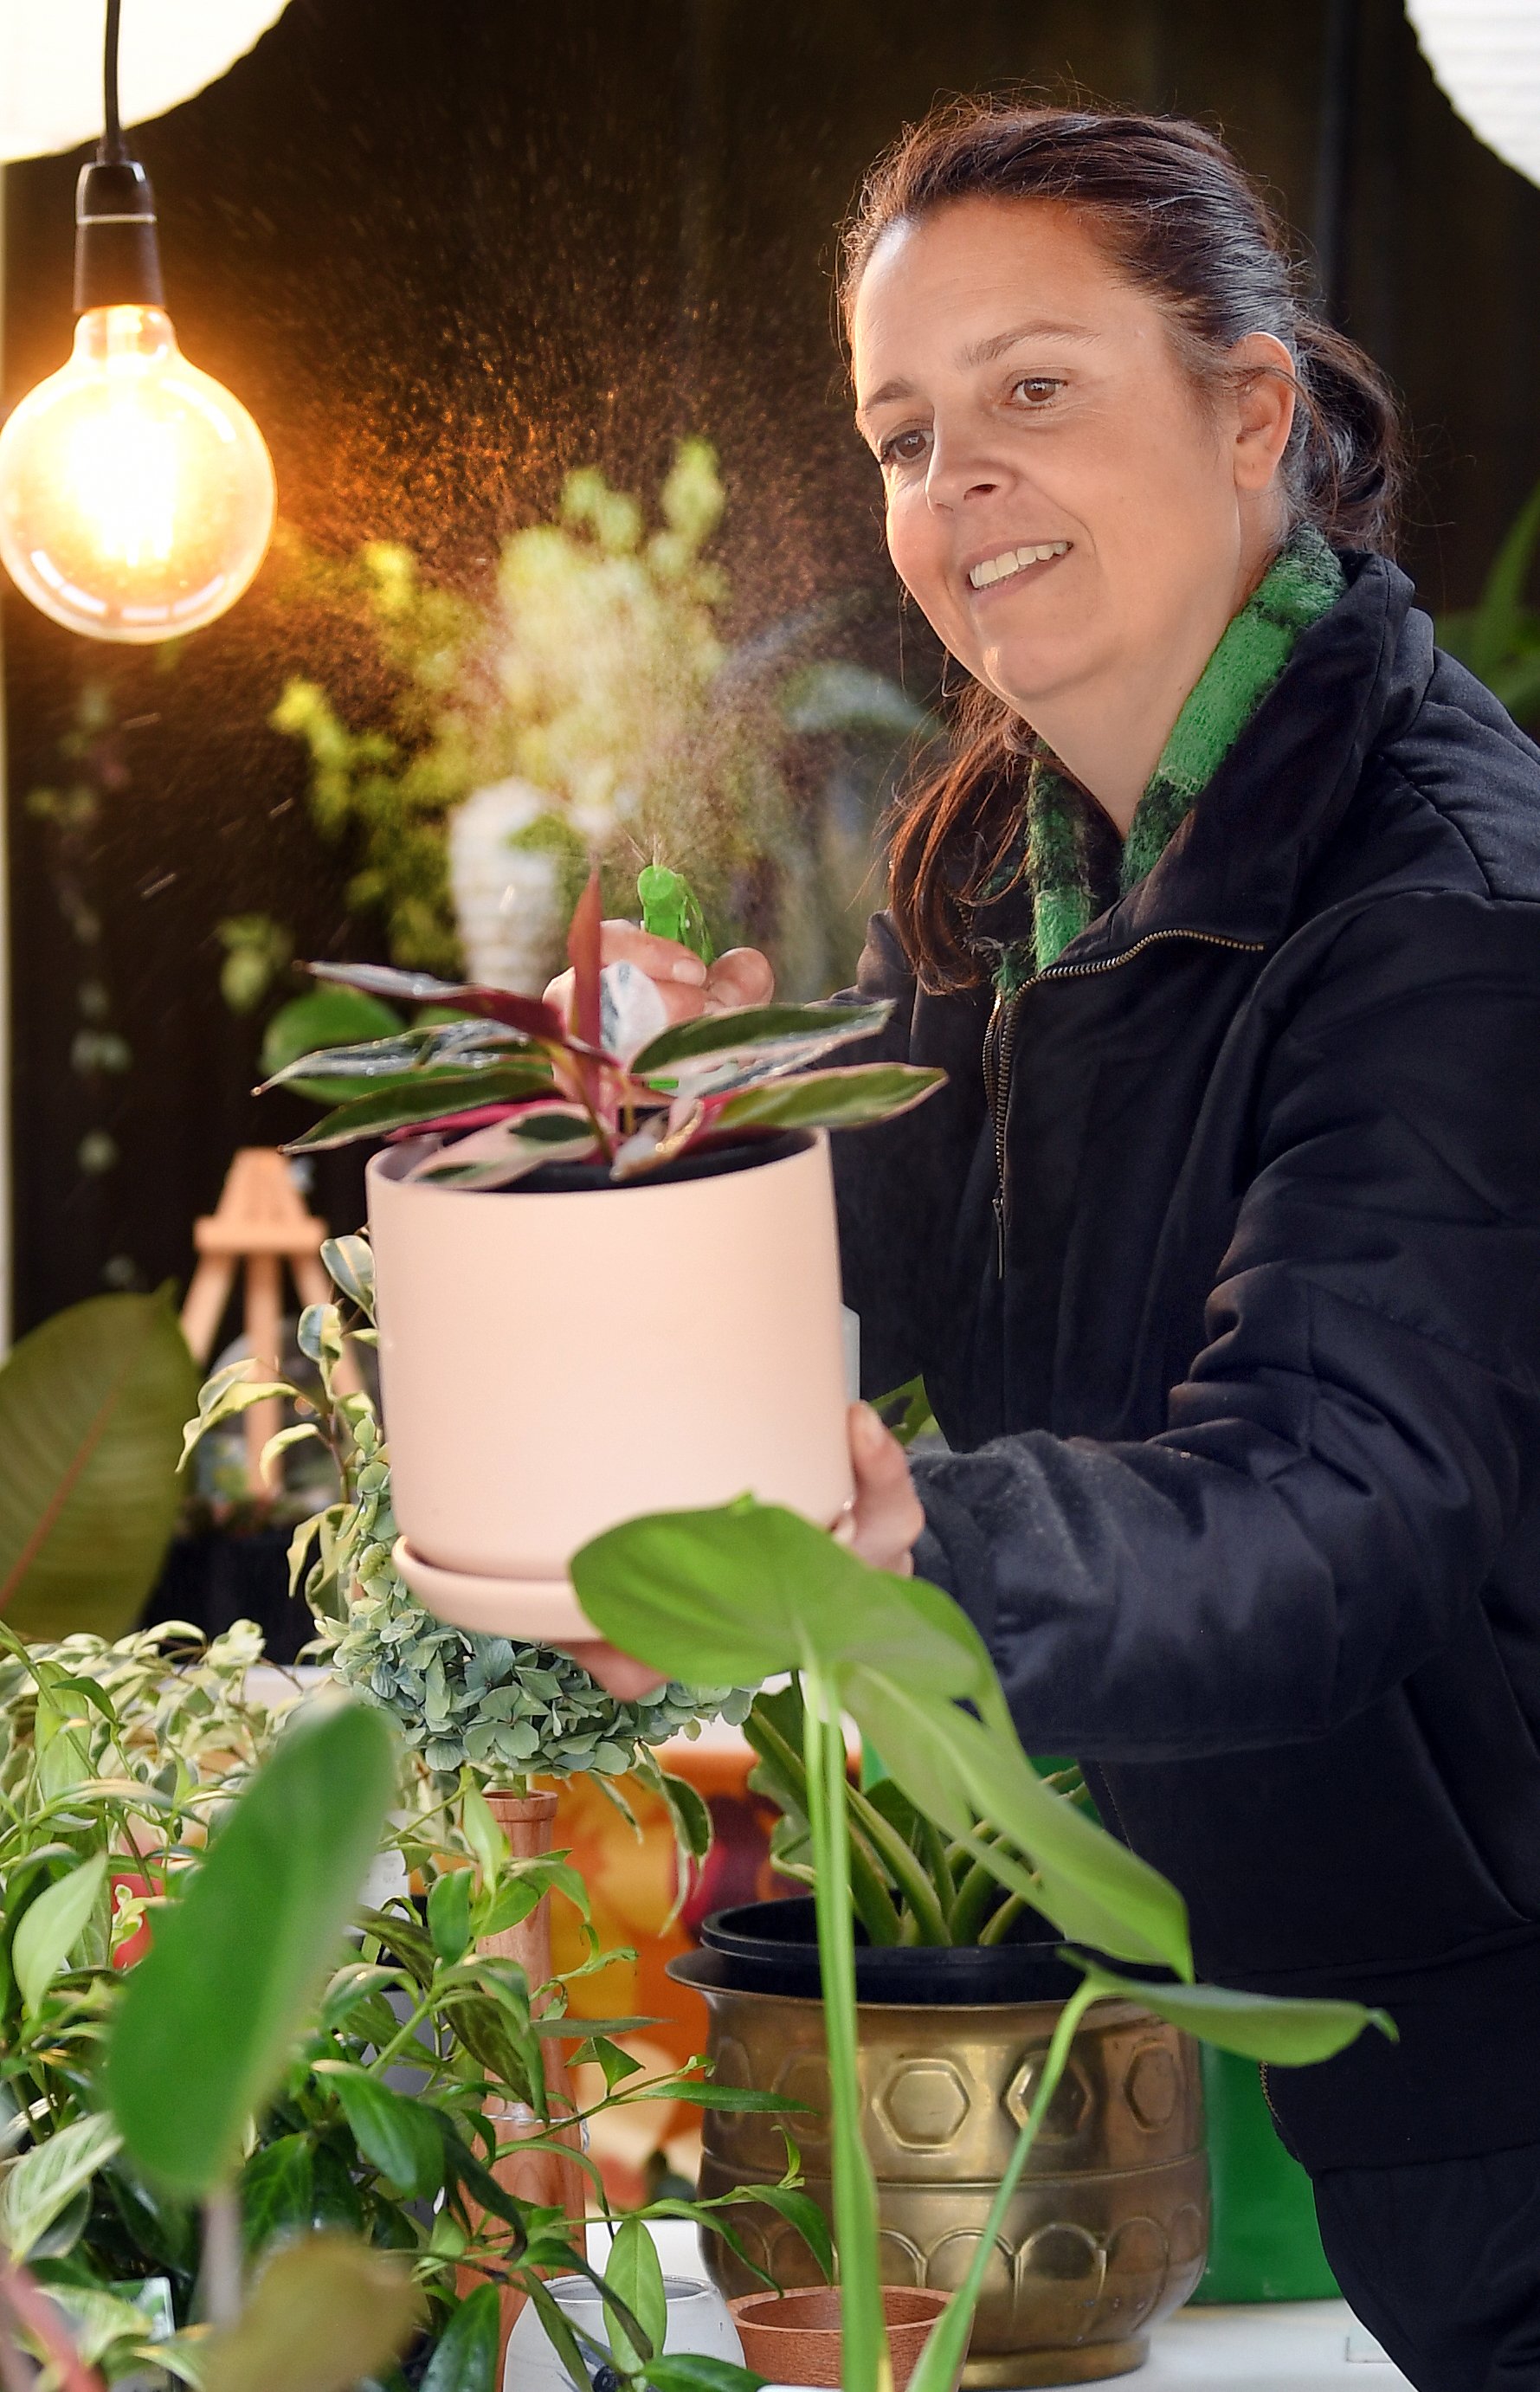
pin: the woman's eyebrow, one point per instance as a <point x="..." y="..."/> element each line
<point x="984" y="353"/>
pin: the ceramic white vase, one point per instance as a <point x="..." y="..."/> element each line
<point x="698" y="2322"/>
<point x="554" y="1363"/>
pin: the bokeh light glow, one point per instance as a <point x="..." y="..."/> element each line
<point x="137" y="495"/>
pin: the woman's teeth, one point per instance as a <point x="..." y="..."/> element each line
<point x="1015" y="560"/>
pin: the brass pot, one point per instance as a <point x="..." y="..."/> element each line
<point x="1108" y="2229"/>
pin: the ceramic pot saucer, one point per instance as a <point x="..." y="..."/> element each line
<point x="533" y="1610"/>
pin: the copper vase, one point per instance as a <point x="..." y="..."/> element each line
<point x="549" y="2179"/>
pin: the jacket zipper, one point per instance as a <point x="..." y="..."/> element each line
<point x="1000" y="1043"/>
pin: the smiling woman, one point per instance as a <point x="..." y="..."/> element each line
<point x="1217" y="1250"/>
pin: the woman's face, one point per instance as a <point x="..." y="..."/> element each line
<point x="1062" y="504"/>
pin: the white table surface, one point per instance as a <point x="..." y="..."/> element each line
<point x="1286" y="2347"/>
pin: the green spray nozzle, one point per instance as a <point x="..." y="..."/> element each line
<point x="671" y="910"/>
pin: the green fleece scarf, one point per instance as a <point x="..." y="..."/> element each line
<point x="1049" y="854"/>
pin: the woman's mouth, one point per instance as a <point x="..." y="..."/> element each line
<point x="1011" y="563"/>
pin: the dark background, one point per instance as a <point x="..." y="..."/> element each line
<point x="444" y="254"/>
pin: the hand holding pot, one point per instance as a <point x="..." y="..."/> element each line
<point x="887" y="1516"/>
<point x="687" y="986"/>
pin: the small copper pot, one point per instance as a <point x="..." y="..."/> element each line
<point x="795" y="2337"/>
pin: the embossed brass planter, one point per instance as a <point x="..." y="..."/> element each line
<point x="1108" y="2229"/>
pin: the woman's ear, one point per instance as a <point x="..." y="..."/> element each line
<point x="1265" y="387"/>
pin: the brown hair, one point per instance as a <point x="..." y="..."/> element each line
<point x="1176" y="214"/>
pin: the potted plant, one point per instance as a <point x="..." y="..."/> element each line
<point x="751" y="1589"/>
<point x="542" y="1182"/>
<point x="959" y="1986"/>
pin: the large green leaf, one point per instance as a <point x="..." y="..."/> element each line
<point x="634" y="2274"/>
<point x="842" y="1098"/>
<point x="323" y="1017"/>
<point x="208" y="2015"/>
<point x="751" y="1589"/>
<point x="1286" y="2034"/>
<point x="323" y="2313"/>
<point x="91" y="1413"/>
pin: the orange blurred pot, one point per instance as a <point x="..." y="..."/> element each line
<point x="793" y="2337"/>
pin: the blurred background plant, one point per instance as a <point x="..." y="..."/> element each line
<point x="1499" y="637"/>
<point x="593" y="705"/>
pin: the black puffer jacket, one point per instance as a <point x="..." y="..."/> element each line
<point x="1245" y="1492"/>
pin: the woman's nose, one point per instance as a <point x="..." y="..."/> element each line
<point x="961" y="467"/>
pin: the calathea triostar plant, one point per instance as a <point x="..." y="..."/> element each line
<point x="515" y="1087"/>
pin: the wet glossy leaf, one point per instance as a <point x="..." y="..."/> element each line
<point x="838" y="1099"/>
<point x="423" y="1096"/>
<point x="757" y="1028"/>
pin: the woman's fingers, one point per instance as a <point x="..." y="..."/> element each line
<point x="661" y="960"/>
<point x="615" y="1671"/>
<point x="741" y="976"/>
<point x="887" y="1516"/>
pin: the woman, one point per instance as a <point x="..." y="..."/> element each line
<point x="1220" y="1250"/>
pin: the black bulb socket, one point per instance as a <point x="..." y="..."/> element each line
<point x="117" y="244"/>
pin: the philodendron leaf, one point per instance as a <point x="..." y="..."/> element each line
<point x="1284" y="2031"/>
<point x="44" y="2181"/>
<point x="696" y="2371"/>
<point x="209" y="2013"/>
<point x="837" y="1099"/>
<point x="634" y="2273"/>
<point x="739" y="1593"/>
<point x="323" y="2313"/>
<point x="91" y="1413"/>
<point x="52" y="1925"/>
<point x="731" y="1595"/>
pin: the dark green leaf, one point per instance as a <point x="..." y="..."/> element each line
<point x="695" y="2370"/>
<point x="209" y="2014"/>
<point x="731" y="2097"/>
<point x="278" y="2190"/>
<point x="399" y="2138"/>
<point x="449" y="1914"/>
<point x="614" y="2064"/>
<point x="800" y="2209"/>
<point x="465" y="2359"/>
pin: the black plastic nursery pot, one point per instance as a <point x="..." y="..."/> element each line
<point x="1109" y="2227"/>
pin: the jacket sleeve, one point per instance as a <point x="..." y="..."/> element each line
<point x="899" y="1184"/>
<point x="1350" y="1450"/>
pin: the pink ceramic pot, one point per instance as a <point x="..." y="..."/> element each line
<point x="554" y="1363"/>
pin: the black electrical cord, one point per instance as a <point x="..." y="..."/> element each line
<point x="111" y="149"/>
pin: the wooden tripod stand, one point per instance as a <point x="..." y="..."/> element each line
<point x="260" y="1222"/>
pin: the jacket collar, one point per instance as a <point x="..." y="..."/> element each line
<point x="1234" y="867"/>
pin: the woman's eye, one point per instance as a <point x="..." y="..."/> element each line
<point x="1039" y="389"/>
<point x="901" y="448"/>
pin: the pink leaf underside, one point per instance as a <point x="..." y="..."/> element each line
<point x="504" y="1155"/>
<point x="477" y="1118"/>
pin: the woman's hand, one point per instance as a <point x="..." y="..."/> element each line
<point x="741" y="976"/>
<point x="881" y="1526"/>
<point x="887" y="1516"/>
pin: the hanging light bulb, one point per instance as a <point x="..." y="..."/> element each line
<point x="137" y="495"/>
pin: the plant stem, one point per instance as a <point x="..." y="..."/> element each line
<point x="999" y="1925"/>
<point x="222" y="2256"/>
<point x="865" y="2366"/>
<point x="1053" y="2066"/>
